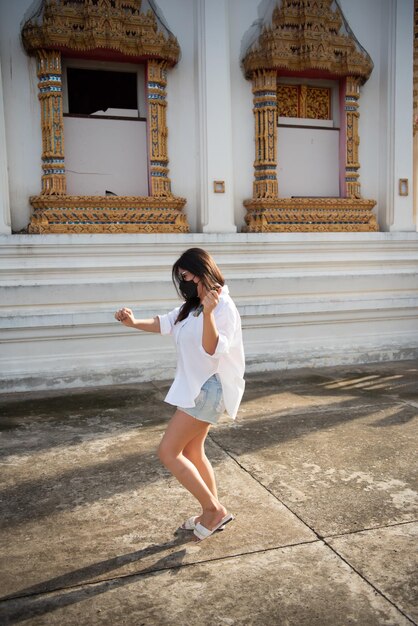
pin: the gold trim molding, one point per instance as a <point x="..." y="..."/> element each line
<point x="309" y="215"/>
<point x="107" y="214"/>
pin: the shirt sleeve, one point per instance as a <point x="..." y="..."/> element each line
<point x="168" y="320"/>
<point x="226" y="322"/>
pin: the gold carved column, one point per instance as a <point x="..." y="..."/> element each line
<point x="352" y="95"/>
<point x="157" y="104"/>
<point x="50" y="97"/>
<point x="265" y="115"/>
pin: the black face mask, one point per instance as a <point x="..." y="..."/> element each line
<point x="188" y="288"/>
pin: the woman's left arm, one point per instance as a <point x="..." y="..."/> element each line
<point x="217" y="331"/>
<point x="210" y="336"/>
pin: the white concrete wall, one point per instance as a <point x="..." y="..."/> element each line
<point x="22" y="113"/>
<point x="329" y="299"/>
<point x="402" y="214"/>
<point x="183" y="148"/>
<point x="242" y="13"/>
<point x="5" y="218"/>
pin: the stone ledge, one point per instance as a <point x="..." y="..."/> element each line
<point x="89" y="239"/>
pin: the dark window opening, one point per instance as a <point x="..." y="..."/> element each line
<point x="98" y="90"/>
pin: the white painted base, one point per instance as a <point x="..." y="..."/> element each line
<point x="305" y="300"/>
<point x="47" y="376"/>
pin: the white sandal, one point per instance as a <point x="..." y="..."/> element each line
<point x="190" y="524"/>
<point x="201" y="532"/>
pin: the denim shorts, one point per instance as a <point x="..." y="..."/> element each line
<point x="209" y="403"/>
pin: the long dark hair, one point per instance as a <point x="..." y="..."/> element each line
<point x="199" y="263"/>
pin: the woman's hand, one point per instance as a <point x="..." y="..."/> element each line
<point x="211" y="300"/>
<point x="126" y="317"/>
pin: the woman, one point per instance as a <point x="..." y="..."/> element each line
<point x="208" y="381"/>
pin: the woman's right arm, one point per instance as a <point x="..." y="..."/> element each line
<point x="127" y="318"/>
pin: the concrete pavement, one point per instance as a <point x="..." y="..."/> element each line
<point x="319" y="469"/>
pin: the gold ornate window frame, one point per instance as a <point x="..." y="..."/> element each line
<point x="116" y="30"/>
<point x="306" y="39"/>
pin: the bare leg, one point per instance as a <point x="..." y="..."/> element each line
<point x="182" y="429"/>
<point x="195" y="452"/>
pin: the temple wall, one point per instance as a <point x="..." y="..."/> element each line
<point x="370" y="22"/>
<point x="305" y="299"/>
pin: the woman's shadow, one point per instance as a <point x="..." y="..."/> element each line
<point x="66" y="589"/>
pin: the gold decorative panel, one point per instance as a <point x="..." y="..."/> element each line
<point x="288" y="100"/>
<point x="304" y="101"/>
<point x="318" y="103"/>
<point x="109" y="214"/>
<point x="309" y="215"/>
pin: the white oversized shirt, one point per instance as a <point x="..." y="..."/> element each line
<point x="195" y="365"/>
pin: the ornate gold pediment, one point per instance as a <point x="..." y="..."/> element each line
<point x="308" y="35"/>
<point x="89" y="27"/>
